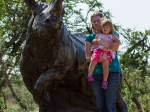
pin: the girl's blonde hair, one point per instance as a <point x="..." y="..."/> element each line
<point x="104" y="22"/>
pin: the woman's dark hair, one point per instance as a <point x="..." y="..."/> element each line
<point x="96" y="14"/>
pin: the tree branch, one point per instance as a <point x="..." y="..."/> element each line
<point x="4" y="99"/>
<point x="9" y="85"/>
<point x="137" y="103"/>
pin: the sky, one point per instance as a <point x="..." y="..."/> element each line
<point x="133" y="14"/>
<point x="129" y="13"/>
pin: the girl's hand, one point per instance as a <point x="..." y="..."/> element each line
<point x="95" y="42"/>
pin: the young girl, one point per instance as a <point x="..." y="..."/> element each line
<point x="98" y="50"/>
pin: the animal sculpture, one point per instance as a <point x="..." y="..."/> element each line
<point x="53" y="64"/>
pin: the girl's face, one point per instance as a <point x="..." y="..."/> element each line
<point x="96" y="23"/>
<point x="106" y="29"/>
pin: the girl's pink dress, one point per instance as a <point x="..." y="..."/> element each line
<point x="97" y="51"/>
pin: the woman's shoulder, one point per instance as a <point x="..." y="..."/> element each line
<point x="115" y="32"/>
<point x="90" y="35"/>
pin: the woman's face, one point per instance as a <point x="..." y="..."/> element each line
<point x="96" y="23"/>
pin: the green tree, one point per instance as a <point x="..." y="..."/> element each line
<point x="135" y="64"/>
<point x="14" y="18"/>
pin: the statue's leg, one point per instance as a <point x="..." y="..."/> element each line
<point x="40" y="92"/>
<point x="120" y="102"/>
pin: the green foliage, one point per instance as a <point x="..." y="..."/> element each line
<point x="14" y="17"/>
<point x="135" y="63"/>
<point x="1" y="105"/>
<point x="77" y="14"/>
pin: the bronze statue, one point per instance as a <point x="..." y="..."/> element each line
<point x="53" y="63"/>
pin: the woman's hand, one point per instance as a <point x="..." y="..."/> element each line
<point x="88" y="59"/>
<point x="111" y="46"/>
<point x="103" y="57"/>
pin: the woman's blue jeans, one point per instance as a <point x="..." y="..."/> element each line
<point x="106" y="99"/>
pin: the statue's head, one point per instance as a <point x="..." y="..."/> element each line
<point x="47" y="16"/>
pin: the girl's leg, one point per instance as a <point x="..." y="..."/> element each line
<point x="91" y="69"/>
<point x="105" y="65"/>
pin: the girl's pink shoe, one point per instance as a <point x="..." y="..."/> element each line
<point x="104" y="84"/>
<point x="90" y="78"/>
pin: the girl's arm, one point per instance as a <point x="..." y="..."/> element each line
<point x="115" y="45"/>
<point x="97" y="41"/>
<point x="105" y="43"/>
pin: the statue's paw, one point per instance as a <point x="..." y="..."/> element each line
<point x="46" y="97"/>
<point x="37" y="96"/>
<point x="41" y="97"/>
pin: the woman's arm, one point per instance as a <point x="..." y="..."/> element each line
<point x="88" y="52"/>
<point x="115" y="45"/>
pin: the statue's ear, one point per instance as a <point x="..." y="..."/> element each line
<point x="32" y="4"/>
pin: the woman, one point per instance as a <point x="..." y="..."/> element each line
<point x="105" y="98"/>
